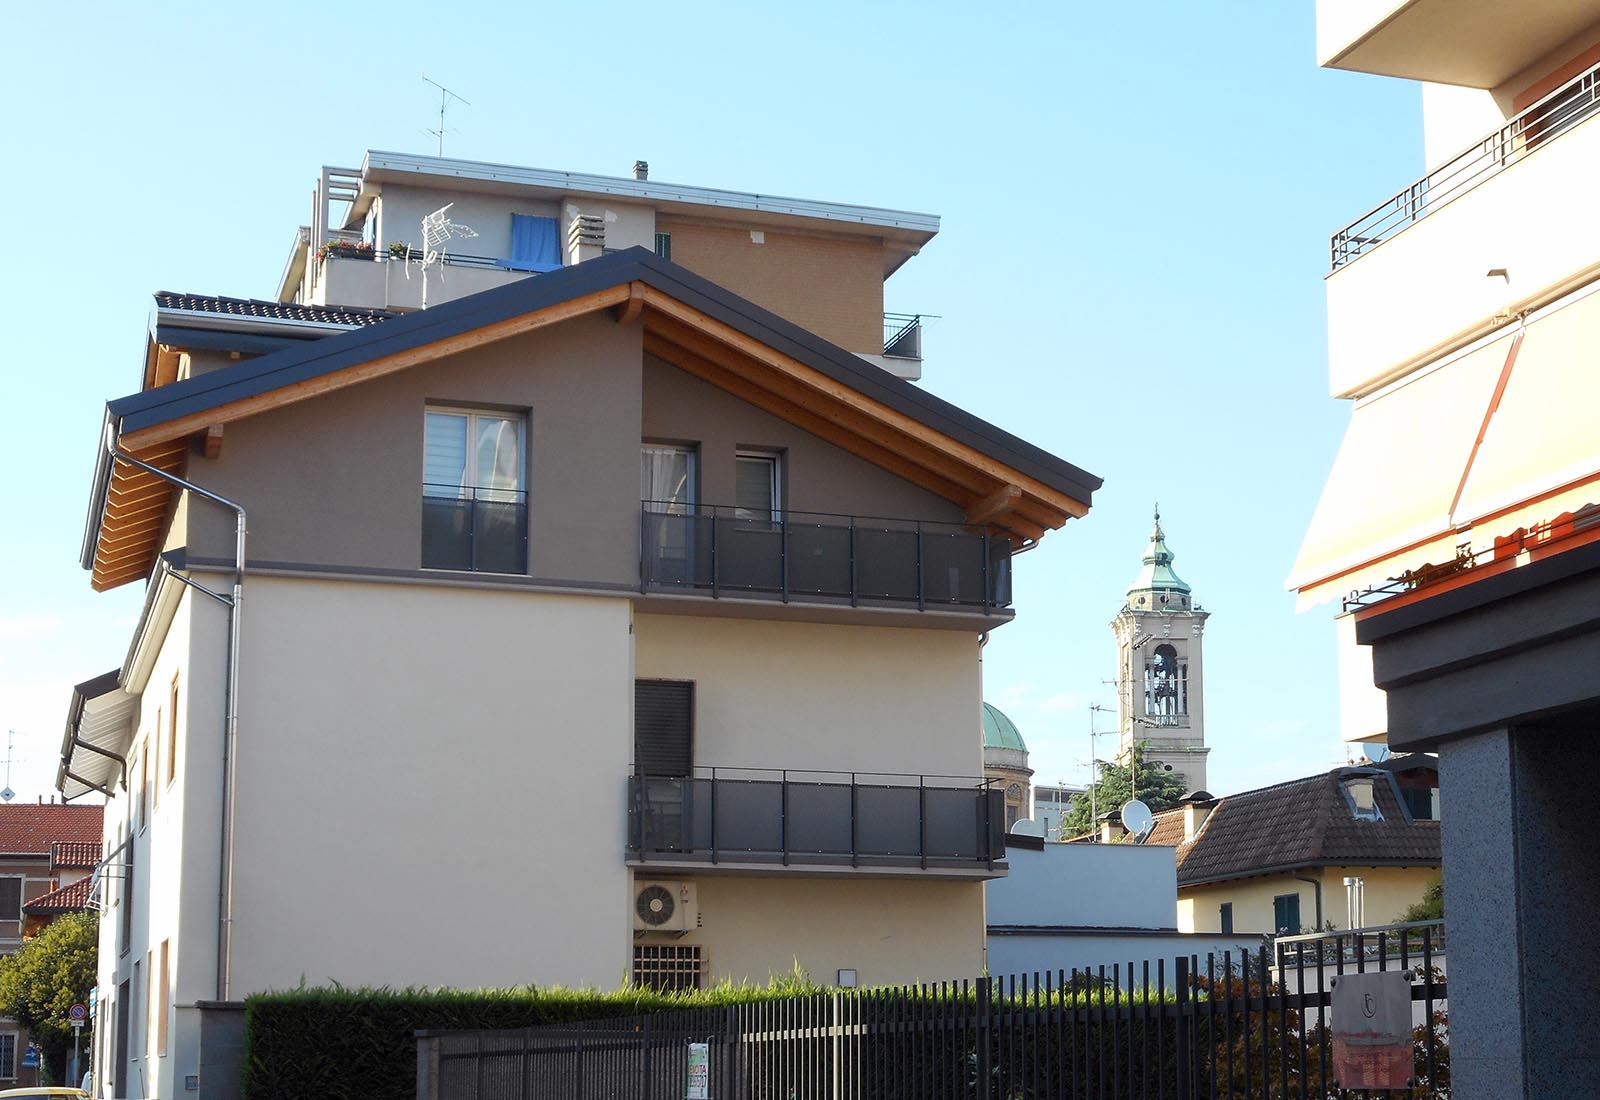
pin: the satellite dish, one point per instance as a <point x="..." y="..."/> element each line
<point x="1026" y="826"/>
<point x="1137" y="818"/>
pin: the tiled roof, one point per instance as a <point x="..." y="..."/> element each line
<point x="71" y="897"/>
<point x="75" y="854"/>
<point x="31" y="828"/>
<point x="1302" y="823"/>
<point x="270" y="311"/>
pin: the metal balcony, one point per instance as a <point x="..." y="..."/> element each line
<point x="818" y="557"/>
<point x="745" y="816"/>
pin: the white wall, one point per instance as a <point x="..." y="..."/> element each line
<point x="431" y="787"/>
<point x="1030" y="954"/>
<point x="1088" y="886"/>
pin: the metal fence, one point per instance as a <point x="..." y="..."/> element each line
<point x="1233" y="1027"/>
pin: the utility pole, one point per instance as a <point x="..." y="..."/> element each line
<point x="1094" y="773"/>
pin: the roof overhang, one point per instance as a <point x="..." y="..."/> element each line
<point x="905" y="232"/>
<point x="1474" y="43"/>
<point x="1004" y="484"/>
<point x="99" y="727"/>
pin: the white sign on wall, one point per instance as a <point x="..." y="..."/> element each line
<point x="699" y="1072"/>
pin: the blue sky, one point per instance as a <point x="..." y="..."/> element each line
<point x="1136" y="202"/>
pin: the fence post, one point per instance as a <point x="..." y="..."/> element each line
<point x="427" y="1067"/>
<point x="836" y="1035"/>
<point x="1181" y="1046"/>
<point x="985" y="1008"/>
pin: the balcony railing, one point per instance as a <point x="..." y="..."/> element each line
<point x="758" y="816"/>
<point x="482" y="530"/>
<point x="1549" y="117"/>
<point x="902" y="335"/>
<point x="818" y="557"/>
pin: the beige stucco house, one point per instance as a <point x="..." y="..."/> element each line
<point x="639" y="614"/>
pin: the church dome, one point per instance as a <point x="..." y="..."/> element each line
<point x="1000" y="732"/>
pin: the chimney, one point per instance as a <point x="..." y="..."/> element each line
<point x="641" y="169"/>
<point x="1197" y="806"/>
<point x="586" y="237"/>
<point x="1111" y="828"/>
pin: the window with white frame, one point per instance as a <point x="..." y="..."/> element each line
<point x="474" y="498"/>
<point x="757" y="486"/>
<point x="667" y="498"/>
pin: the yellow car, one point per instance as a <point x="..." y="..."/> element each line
<point x="44" y="1092"/>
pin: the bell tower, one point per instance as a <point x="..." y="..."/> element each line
<point x="1161" y="696"/>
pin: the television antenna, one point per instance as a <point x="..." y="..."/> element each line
<point x="437" y="232"/>
<point x="11" y="741"/>
<point x="445" y="96"/>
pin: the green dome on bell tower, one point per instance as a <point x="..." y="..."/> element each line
<point x="1157" y="586"/>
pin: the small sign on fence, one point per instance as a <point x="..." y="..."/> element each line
<point x="1372" y="1030"/>
<point x="699" y="1072"/>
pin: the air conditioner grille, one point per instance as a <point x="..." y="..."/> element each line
<point x="667" y="967"/>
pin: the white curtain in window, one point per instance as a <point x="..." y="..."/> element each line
<point x="499" y="447"/>
<point x="666" y="479"/>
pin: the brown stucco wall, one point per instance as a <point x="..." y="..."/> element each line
<point x="833" y="287"/>
<point x="336" y="480"/>
<point x="818" y="476"/>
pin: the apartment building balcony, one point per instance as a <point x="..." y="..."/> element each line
<point x="819" y="558"/>
<point x="1497" y="229"/>
<point x="381" y="280"/>
<point x="744" y="819"/>
<point x="1476" y="45"/>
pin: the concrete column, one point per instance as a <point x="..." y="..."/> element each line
<point x="1522" y="887"/>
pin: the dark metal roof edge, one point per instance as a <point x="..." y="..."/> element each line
<point x="1286" y="868"/>
<point x="335" y="352"/>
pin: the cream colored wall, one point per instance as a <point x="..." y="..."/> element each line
<point x="432" y="806"/>
<point x="1341" y="22"/>
<point x="772" y="694"/>
<point x="887" y="930"/>
<point x="1388" y="891"/>
<point x="1394" y="308"/>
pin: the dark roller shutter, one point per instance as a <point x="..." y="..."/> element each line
<point x="663" y="727"/>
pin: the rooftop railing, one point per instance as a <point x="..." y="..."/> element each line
<point x="1551" y="116"/>
<point x="819" y="557"/>
<point x="902" y="335"/>
<point x="848" y="819"/>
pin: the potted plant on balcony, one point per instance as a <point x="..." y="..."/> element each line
<point x="399" y="250"/>
<point x="352" y="250"/>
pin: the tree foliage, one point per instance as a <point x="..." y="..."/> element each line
<point x="1156" y="788"/>
<point x="1431" y="907"/>
<point x="47" y="976"/>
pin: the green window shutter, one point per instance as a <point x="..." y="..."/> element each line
<point x="664" y="245"/>
<point x="1286" y="914"/>
<point x="1227" y="918"/>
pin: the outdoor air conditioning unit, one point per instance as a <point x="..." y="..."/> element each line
<point x="664" y="907"/>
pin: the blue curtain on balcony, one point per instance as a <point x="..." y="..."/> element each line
<point x="533" y="244"/>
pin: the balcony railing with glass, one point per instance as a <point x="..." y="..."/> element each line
<point x="820" y="557"/>
<point x="844" y="819"/>
<point x="478" y="530"/>
<point x="1551" y="116"/>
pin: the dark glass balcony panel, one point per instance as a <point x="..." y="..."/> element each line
<point x="816" y="556"/>
<point x="756" y="817"/>
<point x="485" y="531"/>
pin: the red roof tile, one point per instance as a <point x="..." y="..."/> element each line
<point x="75" y="854"/>
<point x="69" y="898"/>
<point x="31" y="828"/>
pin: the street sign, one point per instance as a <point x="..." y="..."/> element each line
<point x="1372" y="1030"/>
<point x="699" y="1072"/>
<point x="77" y="1014"/>
<point x="30" y="1057"/>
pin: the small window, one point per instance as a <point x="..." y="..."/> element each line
<point x="155" y="757"/>
<point x="162" y="1008"/>
<point x="663" y="728"/>
<point x="144" y="784"/>
<point x="172" y="732"/>
<point x="1286" y="914"/>
<point x="664" y="245"/>
<point x="1419" y="802"/>
<point x="11" y="898"/>
<point x="757" y="490"/>
<point x="667" y="967"/>
<point x="8" y="1055"/>
<point x="1225" y="918"/>
<point x="474" y="505"/>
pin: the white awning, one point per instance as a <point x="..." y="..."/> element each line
<point x="1497" y="437"/>
<point x="99" y="728"/>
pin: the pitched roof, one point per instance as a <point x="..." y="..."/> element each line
<point x="1305" y="822"/>
<point x="69" y="898"/>
<point x="269" y="311"/>
<point x="31" y="828"/>
<point x="1004" y="482"/>
<point x="75" y="854"/>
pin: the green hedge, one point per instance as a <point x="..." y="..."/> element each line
<point x="356" y="1044"/>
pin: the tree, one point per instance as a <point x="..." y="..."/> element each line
<point x="47" y="976"/>
<point x="1156" y="788"/>
<point x="1431" y="907"/>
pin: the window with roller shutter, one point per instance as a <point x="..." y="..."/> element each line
<point x="663" y="727"/>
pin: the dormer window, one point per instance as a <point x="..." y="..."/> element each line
<point x="1363" y="799"/>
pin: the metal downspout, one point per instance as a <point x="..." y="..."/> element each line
<point x="231" y="704"/>
<point x="1316" y="884"/>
